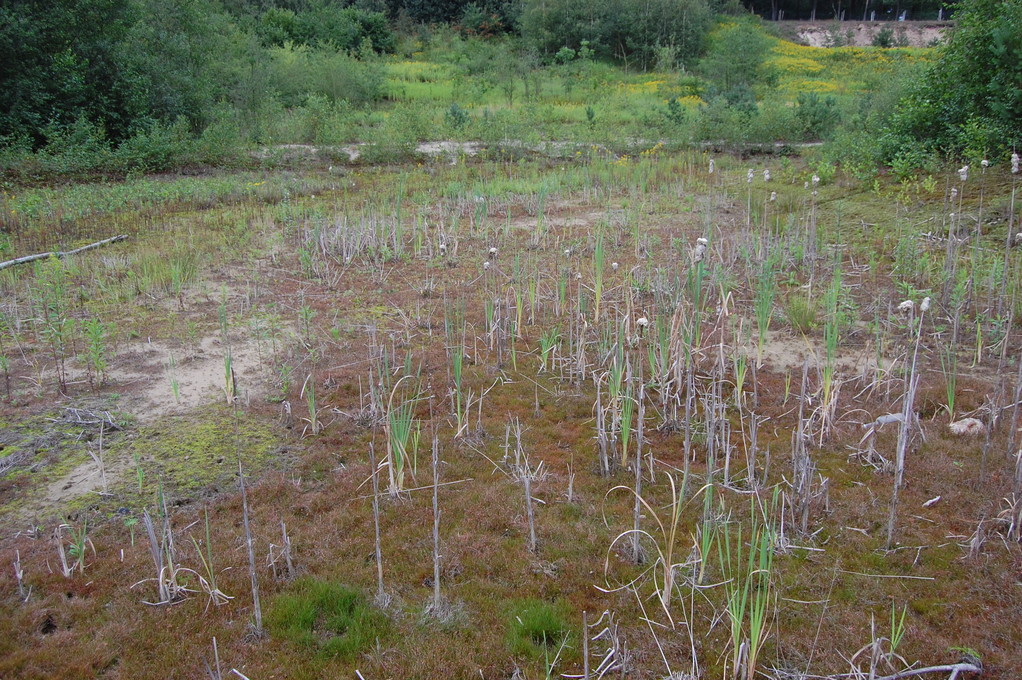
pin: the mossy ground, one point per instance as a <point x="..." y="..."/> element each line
<point x="337" y="318"/>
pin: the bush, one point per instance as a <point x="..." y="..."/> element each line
<point x="329" y="618"/>
<point x="884" y="37"/>
<point x="969" y="101"/>
<point x="157" y="148"/>
<point x="630" y="31"/>
<point x="737" y="57"/>
<point x="536" y="628"/>
<point x="816" y="116"/>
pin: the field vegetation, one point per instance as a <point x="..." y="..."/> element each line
<point x="471" y="349"/>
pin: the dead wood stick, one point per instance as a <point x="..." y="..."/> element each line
<point x="953" y="668"/>
<point x="60" y="254"/>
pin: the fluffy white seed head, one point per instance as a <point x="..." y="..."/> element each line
<point x="701" y="241"/>
<point x="613" y="265"/>
<point x="486" y="265"/>
<point x="493" y="251"/>
<point x="985" y="163"/>
<point x="816" y="179"/>
<point x="578" y="276"/>
<point x="954" y="193"/>
<point x="963" y="173"/>
<point x="773" y="196"/>
<point x="924" y="306"/>
<point x="766" y="174"/>
<point x="1014" y="163"/>
<point x="567" y="252"/>
<point x="906" y="305"/>
<point x="642" y="322"/>
<point x="750" y="175"/>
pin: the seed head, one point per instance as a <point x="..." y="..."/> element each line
<point x="750" y="175"/>
<point x="613" y="265"/>
<point x="1014" y="163"/>
<point x="906" y="306"/>
<point x="773" y="196"/>
<point x="642" y="322"/>
<point x="766" y="174"/>
<point x="985" y="163"/>
<point x="711" y="166"/>
<point x="924" y="306"/>
<point x="963" y="173"/>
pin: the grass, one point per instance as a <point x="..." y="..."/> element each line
<point x="536" y="628"/>
<point x="359" y="324"/>
<point x="328" y="619"/>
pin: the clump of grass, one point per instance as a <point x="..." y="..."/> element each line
<point x="536" y="628"/>
<point x="330" y="618"/>
<point x="801" y="313"/>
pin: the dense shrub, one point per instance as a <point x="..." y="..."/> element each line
<point x="631" y="31"/>
<point x="969" y="102"/>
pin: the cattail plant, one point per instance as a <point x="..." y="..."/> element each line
<point x="747" y="586"/>
<point x="766" y="292"/>
<point x="381" y="594"/>
<point x="598" y="261"/>
<point x="907" y="422"/>
<point x="664" y="539"/>
<point x="208" y="582"/>
<point x="257" y="611"/>
<point x="19" y="574"/>
<point x="402" y="442"/>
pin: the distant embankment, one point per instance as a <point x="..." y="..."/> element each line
<point x="863" y="33"/>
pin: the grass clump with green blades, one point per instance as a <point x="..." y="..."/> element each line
<point x="331" y="618"/>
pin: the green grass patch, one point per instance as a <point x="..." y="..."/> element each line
<point x="329" y="618"/>
<point x="536" y="628"/>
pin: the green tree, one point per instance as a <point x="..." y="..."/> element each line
<point x="737" y="57"/>
<point x="970" y="101"/>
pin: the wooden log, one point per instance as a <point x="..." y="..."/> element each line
<point x="61" y="254"/>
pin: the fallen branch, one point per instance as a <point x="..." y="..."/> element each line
<point x="953" y="668"/>
<point x="61" y="254"/>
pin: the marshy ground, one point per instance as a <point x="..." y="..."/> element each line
<point x="543" y="319"/>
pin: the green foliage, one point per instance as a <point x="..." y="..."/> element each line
<point x="328" y="618"/>
<point x="536" y="628"/>
<point x="326" y="24"/>
<point x="801" y="312"/>
<point x="631" y="31"/>
<point x="737" y="57"/>
<point x="968" y="103"/>
<point x="816" y="116"/>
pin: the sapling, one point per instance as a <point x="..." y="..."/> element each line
<point x="95" y="333"/>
